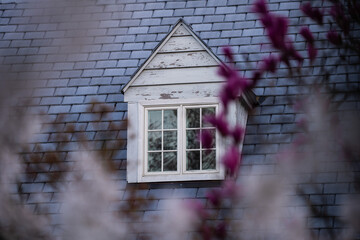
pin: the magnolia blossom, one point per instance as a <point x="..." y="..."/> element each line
<point x="228" y="53"/>
<point x="314" y="13"/>
<point x="214" y="196"/>
<point x="306" y="33"/>
<point x="231" y="160"/>
<point x="238" y="134"/>
<point x="219" y="122"/>
<point x="269" y="64"/>
<point x="337" y="12"/>
<point x="206" y="138"/>
<point x="334" y="37"/>
<point x="260" y="7"/>
<point x="312" y="51"/>
<point x="277" y="28"/>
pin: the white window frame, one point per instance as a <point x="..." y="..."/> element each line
<point x="145" y="161"/>
<point x="137" y="141"/>
<point x="183" y="150"/>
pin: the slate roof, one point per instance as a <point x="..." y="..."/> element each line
<point x="116" y="37"/>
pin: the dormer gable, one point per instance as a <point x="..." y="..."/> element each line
<point x="180" y="58"/>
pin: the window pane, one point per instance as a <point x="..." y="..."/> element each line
<point x="154" y="162"/>
<point x="213" y="137"/>
<point x="170" y="140"/>
<point x="154" y="121"/>
<point x="170" y="163"/>
<point x="210" y="111"/>
<point x="208" y="159"/>
<point x="170" y="119"/>
<point x="154" y="141"/>
<point x="193" y="160"/>
<point x="193" y="118"/>
<point x="192" y="139"/>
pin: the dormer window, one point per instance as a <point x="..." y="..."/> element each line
<point x="167" y="99"/>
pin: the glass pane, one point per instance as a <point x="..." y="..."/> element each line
<point x="192" y="139"/>
<point x="170" y="119"/>
<point x="170" y="140"/>
<point x="170" y="163"/>
<point x="154" y="121"/>
<point x="154" y="162"/>
<point x="210" y="111"/>
<point x="154" y="141"/>
<point x="208" y="159"/>
<point x="213" y="137"/>
<point x="193" y="118"/>
<point x="193" y="160"/>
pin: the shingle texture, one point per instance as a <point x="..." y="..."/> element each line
<point x="110" y="40"/>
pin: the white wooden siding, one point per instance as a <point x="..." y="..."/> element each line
<point x="182" y="43"/>
<point x="181" y="60"/>
<point x="181" y="31"/>
<point x="177" y="76"/>
<point x="176" y="91"/>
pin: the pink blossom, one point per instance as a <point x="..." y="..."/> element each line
<point x="313" y="13"/>
<point x="219" y="122"/>
<point x="228" y="53"/>
<point x="302" y="123"/>
<point x="214" y="196"/>
<point x="260" y="7"/>
<point x="231" y="160"/>
<point x="334" y="37"/>
<point x="338" y="14"/>
<point x="238" y="134"/>
<point x="290" y="52"/>
<point x="312" y="51"/>
<point x="234" y="85"/>
<point x="220" y="230"/>
<point x="277" y="31"/>
<point x="269" y="64"/>
<point x="206" y="138"/>
<point x="205" y="232"/>
<point x="337" y="11"/>
<point x="306" y="33"/>
<point x="197" y="207"/>
<point x="230" y="189"/>
<point x="256" y="75"/>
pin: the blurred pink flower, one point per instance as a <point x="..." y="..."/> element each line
<point x="228" y="53"/>
<point x="269" y="64"/>
<point x="219" y="122"/>
<point x="306" y="33"/>
<point x="231" y="160"/>
<point x="337" y="12"/>
<point x="312" y="51"/>
<point x="238" y="134"/>
<point x="256" y="75"/>
<point x="334" y="37"/>
<point x="260" y="7"/>
<point x="206" y="138"/>
<point x="277" y="31"/>
<point x="214" y="196"/>
<point x="313" y="13"/>
<point x="197" y="207"/>
<point x="205" y="232"/>
<point x="230" y="189"/>
<point x="290" y="52"/>
<point x="220" y="230"/>
<point x="276" y="28"/>
<point x="234" y="85"/>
